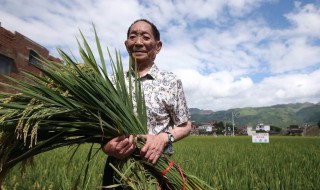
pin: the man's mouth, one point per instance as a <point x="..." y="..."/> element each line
<point x="138" y="52"/>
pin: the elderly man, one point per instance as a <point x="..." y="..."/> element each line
<point x="167" y="111"/>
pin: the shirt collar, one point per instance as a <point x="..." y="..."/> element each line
<point x="151" y="73"/>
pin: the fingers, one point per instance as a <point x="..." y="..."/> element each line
<point x="118" y="139"/>
<point x="145" y="149"/>
<point x="155" y="158"/>
<point x="152" y="155"/>
<point x="153" y="149"/>
<point x="125" y="147"/>
<point x="122" y="144"/>
<point x="120" y="147"/>
<point x="145" y="137"/>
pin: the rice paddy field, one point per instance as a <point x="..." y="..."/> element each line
<point x="286" y="163"/>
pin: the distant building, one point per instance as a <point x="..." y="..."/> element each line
<point x="204" y="129"/>
<point x="262" y="127"/>
<point x="17" y="53"/>
<point x="250" y="130"/>
<point x="310" y="130"/>
<point x="259" y="128"/>
<point x="295" y="130"/>
<point x="243" y="130"/>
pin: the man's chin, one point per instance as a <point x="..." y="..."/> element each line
<point x="138" y="57"/>
<point x="139" y="54"/>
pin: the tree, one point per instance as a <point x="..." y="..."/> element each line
<point x="275" y="128"/>
<point x="222" y="126"/>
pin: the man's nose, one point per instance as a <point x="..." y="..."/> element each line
<point x="138" y="41"/>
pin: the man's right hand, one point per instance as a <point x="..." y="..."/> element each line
<point x="120" y="147"/>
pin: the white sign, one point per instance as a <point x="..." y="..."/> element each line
<point x="260" y="137"/>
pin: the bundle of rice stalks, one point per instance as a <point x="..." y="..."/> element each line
<point x="76" y="103"/>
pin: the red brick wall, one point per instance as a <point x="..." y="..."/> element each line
<point x="17" y="47"/>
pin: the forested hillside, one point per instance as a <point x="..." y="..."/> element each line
<point x="278" y="115"/>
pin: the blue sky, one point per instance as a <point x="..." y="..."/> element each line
<point x="228" y="53"/>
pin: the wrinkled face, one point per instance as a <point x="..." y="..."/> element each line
<point x="141" y="43"/>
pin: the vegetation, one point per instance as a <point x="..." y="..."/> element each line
<point x="76" y="103"/>
<point x="275" y="129"/>
<point x="223" y="162"/>
<point x="278" y="115"/>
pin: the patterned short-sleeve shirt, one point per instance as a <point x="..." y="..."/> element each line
<point x="165" y="101"/>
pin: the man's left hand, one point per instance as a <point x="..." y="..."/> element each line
<point x="154" y="147"/>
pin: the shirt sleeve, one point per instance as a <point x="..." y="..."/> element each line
<point x="180" y="109"/>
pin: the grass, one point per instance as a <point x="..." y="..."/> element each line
<point x="224" y="162"/>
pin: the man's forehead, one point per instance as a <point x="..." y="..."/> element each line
<point x="141" y="27"/>
<point x="139" y="31"/>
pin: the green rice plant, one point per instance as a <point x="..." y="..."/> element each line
<point x="76" y="103"/>
<point x="223" y="162"/>
<point x="237" y="163"/>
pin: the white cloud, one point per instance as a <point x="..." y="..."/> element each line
<point x="292" y="55"/>
<point x="289" y="88"/>
<point x="242" y="7"/>
<point x="215" y="46"/>
<point x="305" y="20"/>
<point x="222" y="91"/>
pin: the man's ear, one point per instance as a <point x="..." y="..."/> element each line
<point x="125" y="43"/>
<point x="159" y="46"/>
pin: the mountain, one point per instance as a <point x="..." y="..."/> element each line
<point x="199" y="111"/>
<point x="281" y="115"/>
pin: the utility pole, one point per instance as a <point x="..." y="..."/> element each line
<point x="234" y="114"/>
<point x="232" y="124"/>
<point x="225" y="125"/>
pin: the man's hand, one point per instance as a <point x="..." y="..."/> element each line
<point x="154" y="147"/>
<point x="120" y="147"/>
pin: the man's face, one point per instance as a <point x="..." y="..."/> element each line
<point x="141" y="43"/>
